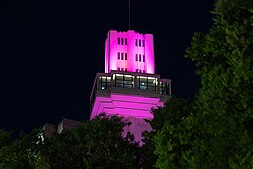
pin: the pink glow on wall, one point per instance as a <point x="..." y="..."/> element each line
<point x="106" y="56"/>
<point x="132" y="108"/>
<point x="125" y="105"/>
<point x="143" y="48"/>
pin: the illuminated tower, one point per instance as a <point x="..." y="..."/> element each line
<point x="129" y="87"/>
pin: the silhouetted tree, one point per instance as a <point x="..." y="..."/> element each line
<point x="216" y="132"/>
<point x="23" y="153"/>
<point x="95" y="144"/>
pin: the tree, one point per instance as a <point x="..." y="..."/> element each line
<point x="5" y="138"/>
<point x="23" y="153"/>
<point x="106" y="146"/>
<point x="170" y="140"/>
<point x="214" y="131"/>
<point x="224" y="60"/>
<point x="63" y="151"/>
<point x="95" y="144"/>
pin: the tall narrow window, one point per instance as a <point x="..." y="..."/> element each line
<point x="139" y="42"/>
<point x="143" y="71"/>
<point x="136" y="70"/>
<point x="119" y="41"/>
<point x="143" y="59"/>
<point x="125" y="56"/>
<point x="125" y="41"/>
<point x="122" y="69"/>
<point x="140" y="70"/>
<point x="118" y="56"/>
<point x="122" y="41"/>
<point x="143" y="43"/>
<point x="136" y="57"/>
<point x="126" y="69"/>
<point x="136" y="42"/>
<point x="118" y="69"/>
<point x="122" y="56"/>
<point x="139" y="57"/>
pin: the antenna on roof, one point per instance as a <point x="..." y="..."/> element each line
<point x="129" y="19"/>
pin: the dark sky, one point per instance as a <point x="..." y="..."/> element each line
<point x="51" y="50"/>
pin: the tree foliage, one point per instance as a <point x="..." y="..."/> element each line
<point x="224" y="58"/>
<point x="23" y="153"/>
<point x="216" y="133"/>
<point x="171" y="136"/>
<point x="95" y="144"/>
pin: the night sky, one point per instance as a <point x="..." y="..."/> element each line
<point x="51" y="50"/>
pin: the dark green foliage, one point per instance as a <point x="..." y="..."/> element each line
<point x="224" y="58"/>
<point x="95" y="144"/>
<point x="106" y="146"/>
<point x="61" y="151"/>
<point x="5" y="138"/>
<point x="148" y="159"/>
<point x="216" y="130"/>
<point x="171" y="138"/>
<point x="23" y="153"/>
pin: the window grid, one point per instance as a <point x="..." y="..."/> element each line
<point x="104" y="82"/>
<point x="124" y="81"/>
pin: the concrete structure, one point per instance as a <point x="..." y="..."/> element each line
<point x="65" y="124"/>
<point x="129" y="87"/>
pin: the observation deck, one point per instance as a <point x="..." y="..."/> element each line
<point x="130" y="83"/>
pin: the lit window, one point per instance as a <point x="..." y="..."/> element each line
<point x="125" y="56"/>
<point x="122" y="41"/>
<point x="124" y="81"/>
<point x="125" y="41"/>
<point x="104" y="82"/>
<point x="136" y="42"/>
<point x="143" y="58"/>
<point x="139" y="57"/>
<point x="139" y="42"/>
<point x="119" y="41"/>
<point x="143" y="43"/>
<point x="126" y="69"/>
<point x="122" y="56"/>
<point x="118" y="56"/>
<point x="136" y="57"/>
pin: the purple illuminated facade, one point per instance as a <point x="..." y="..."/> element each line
<point x="129" y="87"/>
<point x="129" y="51"/>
